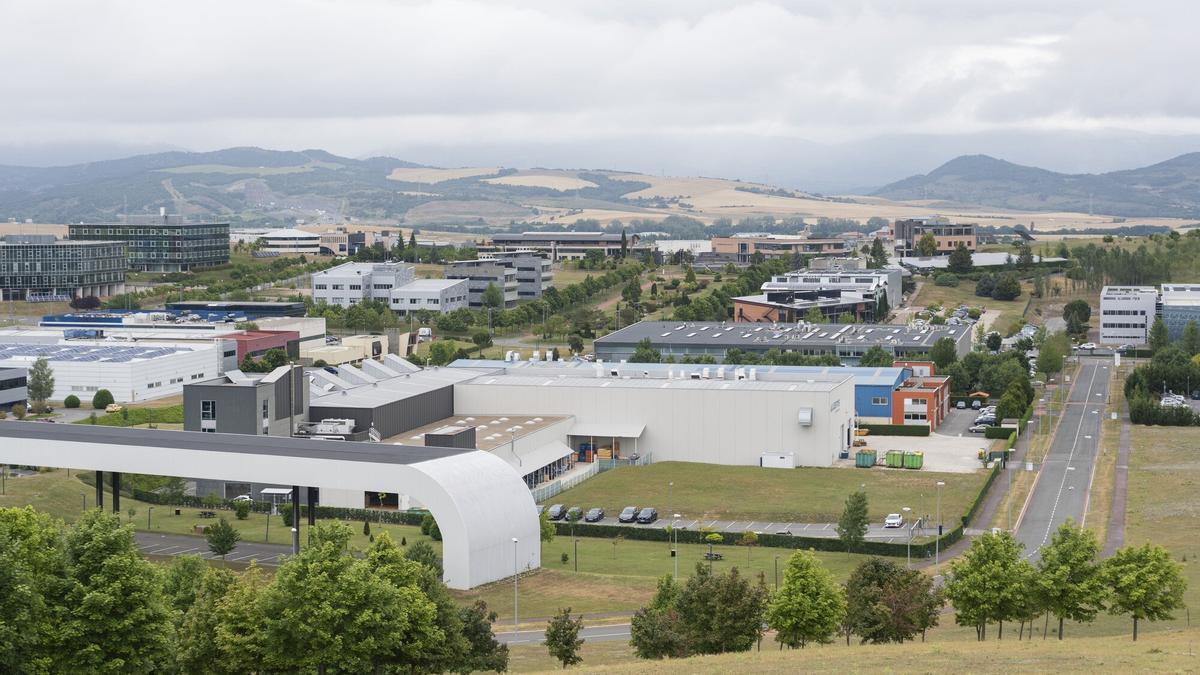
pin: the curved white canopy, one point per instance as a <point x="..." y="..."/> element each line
<point x="479" y="501"/>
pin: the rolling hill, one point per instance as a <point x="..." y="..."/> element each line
<point x="1167" y="189"/>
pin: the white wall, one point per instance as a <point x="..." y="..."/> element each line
<point x="717" y="426"/>
<point x="129" y="381"/>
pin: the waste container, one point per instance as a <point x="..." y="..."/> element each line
<point x="894" y="459"/>
<point x="914" y="459"/>
<point x="864" y="459"/>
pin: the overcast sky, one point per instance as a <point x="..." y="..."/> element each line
<point x="361" y="76"/>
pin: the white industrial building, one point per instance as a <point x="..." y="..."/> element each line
<point x="291" y="241"/>
<point x="435" y="295"/>
<point x="1127" y="313"/>
<point x="352" y="283"/>
<point x="131" y="372"/>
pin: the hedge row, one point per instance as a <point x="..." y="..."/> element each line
<point x="979" y="498"/>
<point x="995" y="433"/>
<point x="923" y="550"/>
<point x="896" y="429"/>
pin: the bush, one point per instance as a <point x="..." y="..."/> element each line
<point x="946" y="279"/>
<point x="995" y="433"/>
<point x="18" y="411"/>
<point x="896" y="429"/>
<point x="102" y="398"/>
<point x="241" y="510"/>
<point x="71" y="401"/>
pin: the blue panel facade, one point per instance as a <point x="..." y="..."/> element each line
<point x="873" y="400"/>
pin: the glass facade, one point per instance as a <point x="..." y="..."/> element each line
<point x="163" y="244"/>
<point x="43" y="265"/>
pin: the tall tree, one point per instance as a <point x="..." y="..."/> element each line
<point x="887" y="603"/>
<point x="879" y="256"/>
<point x="1191" y="339"/>
<point x="721" y="613"/>
<point x="40" y="383"/>
<point x="854" y="522"/>
<point x="484" y="652"/>
<point x="927" y="245"/>
<point x="810" y="605"/>
<point x="943" y="353"/>
<point x="960" y="261"/>
<point x="876" y="357"/>
<point x="1144" y="583"/>
<point x="1024" y="257"/>
<point x="986" y="583"/>
<point x="1159" y="338"/>
<point x="492" y="297"/>
<point x="222" y="537"/>
<point x="32" y="584"/>
<point x="624" y="244"/>
<point x="241" y="624"/>
<point x="814" y="315"/>
<point x="1008" y="287"/>
<point x="655" y="631"/>
<point x="196" y="647"/>
<point x="562" y="635"/>
<point x="1068" y="582"/>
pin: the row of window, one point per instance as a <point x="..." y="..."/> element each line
<point x="916" y="416"/>
<point x="1138" y="326"/>
<point x="1124" y="312"/>
<point x="141" y="231"/>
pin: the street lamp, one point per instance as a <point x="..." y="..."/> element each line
<point x="906" y="511"/>
<point x="83" y="496"/>
<point x="937" y="553"/>
<point x="669" y="486"/>
<point x="675" y="549"/>
<point x="777" y="572"/>
<point x="514" y="584"/>
<point x="149" y="510"/>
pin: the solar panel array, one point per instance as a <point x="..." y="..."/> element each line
<point x="85" y="353"/>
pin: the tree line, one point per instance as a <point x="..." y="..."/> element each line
<point x="83" y="599"/>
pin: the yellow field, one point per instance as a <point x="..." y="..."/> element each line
<point x="553" y="180"/>
<point x="426" y="175"/>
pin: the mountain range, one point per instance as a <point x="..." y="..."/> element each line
<point x="1166" y="189"/>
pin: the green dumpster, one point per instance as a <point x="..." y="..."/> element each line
<point x="894" y="459"/>
<point x="918" y="459"/>
<point x="864" y="459"/>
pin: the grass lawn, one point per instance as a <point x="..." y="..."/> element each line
<point x="1011" y="311"/>
<point x="804" y="495"/>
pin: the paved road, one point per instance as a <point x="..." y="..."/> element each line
<point x="875" y="532"/>
<point x="151" y="543"/>
<point x="612" y="633"/>
<point x="1065" y="477"/>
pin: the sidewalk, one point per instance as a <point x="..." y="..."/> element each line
<point x="1116" y="512"/>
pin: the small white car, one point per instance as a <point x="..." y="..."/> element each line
<point x="1088" y="345"/>
<point x="893" y="520"/>
<point x="242" y="498"/>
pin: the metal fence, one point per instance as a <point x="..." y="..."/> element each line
<point x="610" y="464"/>
<point x="547" y="490"/>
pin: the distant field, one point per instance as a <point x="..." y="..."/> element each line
<point x="804" y="495"/>
<point x="431" y="176"/>
<point x="552" y="181"/>
<point x="251" y="170"/>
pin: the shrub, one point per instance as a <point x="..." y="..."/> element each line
<point x="896" y="429"/>
<point x="946" y="279"/>
<point x="71" y="401"/>
<point x="18" y="411"/>
<point x="241" y="510"/>
<point x="102" y="398"/>
<point x="565" y="558"/>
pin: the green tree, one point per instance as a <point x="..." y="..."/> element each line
<point x="1011" y="405"/>
<point x="482" y="340"/>
<point x="241" y="625"/>
<point x="749" y="540"/>
<point x="814" y="315"/>
<point x="547" y="527"/>
<point x="1144" y="583"/>
<point x="655" y="631"/>
<point x="1068" y="583"/>
<point x="689" y="276"/>
<point x="422" y="552"/>
<point x="624" y="244"/>
<point x="810" y="605"/>
<point x="562" y="637"/>
<point x="492" y="297"/>
<point x="181" y="580"/>
<point x="887" y="603"/>
<point x="102" y="399"/>
<point x="960" y="261"/>
<point x="1025" y="257"/>
<point x="575" y="343"/>
<point x="222" y="537"/>
<point x="943" y="353"/>
<point x="876" y="357"/>
<point x="1159" y="338"/>
<point x="1191" y="339"/>
<point x="993" y="341"/>
<point x="40" y="383"/>
<point x="720" y="613"/>
<point x="484" y="652"/>
<point x="1050" y="358"/>
<point x="645" y="353"/>
<point x="442" y="352"/>
<point x="1008" y="287"/>
<point x="879" y="256"/>
<point x="71" y="401"/>
<point x="196" y="649"/>
<point x="927" y="245"/>
<point x="32" y="584"/>
<point x="853" y="524"/>
<point x="116" y="615"/>
<point x="986" y="583"/>
<point x="1077" y="313"/>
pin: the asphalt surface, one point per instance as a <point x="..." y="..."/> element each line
<point x="1065" y="477"/>
<point x="610" y="633"/>
<point x="875" y="531"/>
<point x="151" y="543"/>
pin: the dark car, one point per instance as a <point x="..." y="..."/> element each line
<point x="594" y="515"/>
<point x="574" y="513"/>
<point x="628" y="514"/>
<point x="647" y="515"/>
<point x="556" y="512"/>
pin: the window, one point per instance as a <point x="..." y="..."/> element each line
<point x="337" y="287"/>
<point x="208" y="410"/>
<point x="320" y="287"/>
<point x="356" y="287"/>
<point x="878" y="400"/>
<point x="209" y="430"/>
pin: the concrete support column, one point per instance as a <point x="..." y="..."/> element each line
<point x="295" y="520"/>
<point x="312" y="507"/>
<point x="116" y="490"/>
<point x="100" y="489"/>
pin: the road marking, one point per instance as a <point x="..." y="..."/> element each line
<point x="769" y="526"/>
<point x="187" y="551"/>
<point x="243" y="557"/>
<point x="806" y="526"/>
<point x="826" y="526"/>
<point x="748" y="526"/>
<point x="1070" y="456"/>
<point x="711" y="524"/>
<point x="730" y="525"/>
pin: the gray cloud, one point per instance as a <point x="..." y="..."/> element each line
<point x="355" y="77"/>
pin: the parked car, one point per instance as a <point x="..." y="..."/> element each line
<point x="647" y="515"/>
<point x="985" y="421"/>
<point x="594" y="515"/>
<point x="574" y="513"/>
<point x="976" y="404"/>
<point x="113" y="408"/>
<point x="556" y="512"/>
<point x="961" y="405"/>
<point x="979" y="428"/>
<point x="628" y="514"/>
<point x="242" y="498"/>
<point x="893" y="520"/>
<point x="1088" y="345"/>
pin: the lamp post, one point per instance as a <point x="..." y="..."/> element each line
<point x="576" y="554"/>
<point x="906" y="511"/>
<point x="675" y="549"/>
<point x="268" y="538"/>
<point x="83" y="496"/>
<point x="777" y="572"/>
<point x="149" y="510"/>
<point x="937" y="553"/>
<point x="670" y="485"/>
<point x="514" y="584"/>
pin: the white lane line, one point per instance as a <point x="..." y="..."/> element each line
<point x="769" y="526"/>
<point x="730" y="525"/>
<point x="826" y="526"/>
<point x="748" y="526"/>
<point x="243" y="557"/>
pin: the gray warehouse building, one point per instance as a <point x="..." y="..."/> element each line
<point x="247" y="403"/>
<point x="394" y="405"/>
<point x="680" y="339"/>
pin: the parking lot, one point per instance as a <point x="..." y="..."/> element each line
<point x="735" y="528"/>
<point x="951" y="448"/>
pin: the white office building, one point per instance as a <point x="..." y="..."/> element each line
<point x="352" y="283"/>
<point x="291" y="241"/>
<point x="479" y="274"/>
<point x="435" y="295"/>
<point x="1126" y="314"/>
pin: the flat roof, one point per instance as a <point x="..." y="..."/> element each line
<point x="91" y="352"/>
<point x="1181" y="294"/>
<point x="430" y="284"/>
<point x="765" y="335"/>
<point x="491" y="431"/>
<point x="821" y="384"/>
<point x="394" y="388"/>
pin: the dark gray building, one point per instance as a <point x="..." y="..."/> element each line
<point x="534" y="271"/>
<point x="483" y="273"/>
<point x="680" y="339"/>
<point x="13" y="387"/>
<point x="41" y="266"/>
<point x="163" y="243"/>
<point x="394" y="405"/>
<point x="247" y="403"/>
